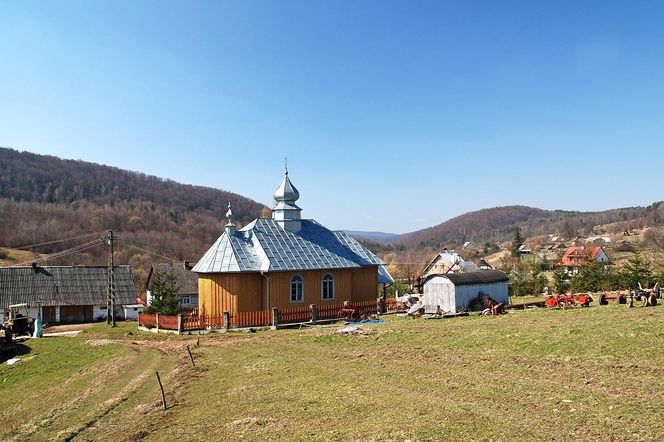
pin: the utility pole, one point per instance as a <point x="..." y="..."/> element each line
<point x="110" y="303"/>
<point x="108" y="297"/>
<point x="112" y="283"/>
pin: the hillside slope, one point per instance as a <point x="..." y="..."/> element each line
<point x="44" y="199"/>
<point x="26" y="176"/>
<point x="498" y="224"/>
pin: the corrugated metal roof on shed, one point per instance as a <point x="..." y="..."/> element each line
<point x="59" y="285"/>
<point x="479" y="277"/>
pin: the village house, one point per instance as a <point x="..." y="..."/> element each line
<point x="448" y="262"/>
<point x="186" y="283"/>
<point x="578" y="256"/>
<point x="525" y="250"/>
<point x="66" y="294"/>
<point x="285" y="261"/>
<point x="456" y="292"/>
<point x="484" y="264"/>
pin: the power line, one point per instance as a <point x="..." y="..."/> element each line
<point x="56" y="241"/>
<point x="65" y="252"/>
<point x="68" y="252"/>
<point x="170" y="258"/>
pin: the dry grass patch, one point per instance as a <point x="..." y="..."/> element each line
<point x="578" y="374"/>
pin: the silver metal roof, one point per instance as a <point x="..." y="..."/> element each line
<point x="286" y="191"/>
<point x="264" y="245"/>
<point x="230" y="253"/>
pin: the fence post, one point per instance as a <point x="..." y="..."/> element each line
<point x="381" y="305"/>
<point x="275" y="318"/>
<point x="156" y="320"/>
<point x="180" y="324"/>
<point x="227" y="321"/>
<point x="314" y="313"/>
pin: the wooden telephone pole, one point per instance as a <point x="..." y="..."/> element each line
<point x="110" y="302"/>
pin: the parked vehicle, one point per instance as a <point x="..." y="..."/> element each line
<point x="20" y="322"/>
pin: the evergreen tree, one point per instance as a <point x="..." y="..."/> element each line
<point x="538" y="281"/>
<point x="517" y="242"/>
<point x="165" y="299"/>
<point x="593" y="277"/>
<point x="637" y="270"/>
<point x="560" y="280"/>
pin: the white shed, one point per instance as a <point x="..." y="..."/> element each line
<point x="131" y="311"/>
<point x="456" y="292"/>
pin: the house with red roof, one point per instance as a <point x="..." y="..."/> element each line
<point x="576" y="257"/>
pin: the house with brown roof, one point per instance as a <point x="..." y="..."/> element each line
<point x="578" y="256"/>
<point x="186" y="281"/>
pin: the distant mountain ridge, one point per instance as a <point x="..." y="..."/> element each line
<point x="377" y="237"/>
<point x="499" y="223"/>
<point x="25" y="176"/>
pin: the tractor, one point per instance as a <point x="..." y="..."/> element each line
<point x="20" y="322"/>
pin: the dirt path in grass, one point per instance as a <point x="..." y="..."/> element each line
<point x="114" y="395"/>
<point x="67" y="327"/>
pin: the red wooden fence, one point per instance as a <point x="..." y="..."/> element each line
<point x="250" y="319"/>
<point x="366" y="307"/>
<point x="199" y="320"/>
<point x="147" y="320"/>
<point x="328" y="311"/>
<point x="168" y="322"/>
<point x="296" y="314"/>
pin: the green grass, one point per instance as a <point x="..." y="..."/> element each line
<point x="577" y="374"/>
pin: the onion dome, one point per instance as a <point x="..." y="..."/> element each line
<point x="286" y="192"/>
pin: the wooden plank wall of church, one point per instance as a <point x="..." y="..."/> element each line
<point x="365" y="284"/>
<point x="242" y="292"/>
<point x="229" y="292"/>
<point x="280" y="287"/>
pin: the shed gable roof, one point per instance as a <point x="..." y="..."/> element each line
<point x="468" y="278"/>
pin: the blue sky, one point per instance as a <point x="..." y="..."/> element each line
<point x="395" y="116"/>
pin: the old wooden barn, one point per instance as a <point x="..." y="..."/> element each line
<point x="66" y="294"/>
<point x="285" y="261"/>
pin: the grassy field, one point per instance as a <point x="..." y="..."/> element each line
<point x="577" y="374"/>
<point x="9" y="257"/>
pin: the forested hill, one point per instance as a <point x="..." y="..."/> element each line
<point x="498" y="224"/>
<point x="36" y="178"/>
<point x="45" y="199"/>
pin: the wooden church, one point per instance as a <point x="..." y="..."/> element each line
<point x="285" y="261"/>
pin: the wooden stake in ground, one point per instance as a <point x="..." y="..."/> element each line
<point x="190" y="356"/>
<point x="161" y="387"/>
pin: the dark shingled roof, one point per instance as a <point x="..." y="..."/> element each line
<point x="479" y="277"/>
<point x="187" y="281"/>
<point x="56" y="285"/>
